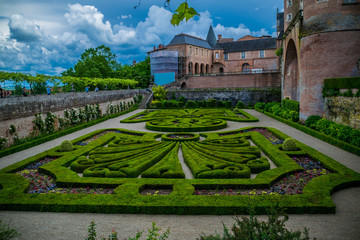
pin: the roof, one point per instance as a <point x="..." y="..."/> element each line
<point x="249" y="45"/>
<point x="211" y="39"/>
<point x="187" y="39"/>
<point x="280" y="26"/>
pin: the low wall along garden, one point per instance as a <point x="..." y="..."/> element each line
<point x="122" y="171"/>
<point x="20" y="111"/>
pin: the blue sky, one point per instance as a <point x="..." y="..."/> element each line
<point x="48" y="36"/>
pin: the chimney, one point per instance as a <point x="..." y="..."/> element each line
<point x="219" y="37"/>
<point x="134" y="62"/>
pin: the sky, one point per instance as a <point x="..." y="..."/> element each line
<point x="49" y="36"/>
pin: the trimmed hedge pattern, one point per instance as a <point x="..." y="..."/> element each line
<point x="189" y="120"/>
<point x="49" y="137"/>
<point x="111" y="157"/>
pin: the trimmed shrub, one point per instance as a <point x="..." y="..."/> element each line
<point x="290" y="104"/>
<point x="191" y="104"/>
<point x="228" y="104"/>
<point x="289" y="145"/>
<point x="236" y="110"/>
<point x="66" y="146"/>
<point x="259" y="105"/>
<point x="310" y="121"/>
<point x="240" y="104"/>
<point x="211" y="103"/>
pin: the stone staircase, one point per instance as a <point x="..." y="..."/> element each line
<point x="145" y="100"/>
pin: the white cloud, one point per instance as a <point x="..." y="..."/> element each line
<point x="260" y="33"/>
<point x="23" y="30"/>
<point x="126" y="16"/>
<point x="231" y="32"/>
<point x="31" y="47"/>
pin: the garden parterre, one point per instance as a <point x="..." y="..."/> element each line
<point x="189" y="120"/>
<point x="107" y="161"/>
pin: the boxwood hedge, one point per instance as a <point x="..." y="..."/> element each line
<point x="218" y="156"/>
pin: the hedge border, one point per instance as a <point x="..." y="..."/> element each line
<point x="43" y="139"/>
<point x="316" y="197"/>
<point x="333" y="141"/>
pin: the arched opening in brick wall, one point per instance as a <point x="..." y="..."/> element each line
<point x="183" y="85"/>
<point x="207" y="68"/>
<point x="291" y="72"/>
<point x="202" y="68"/>
<point x="196" y="68"/>
<point x="221" y="70"/>
<point x="190" y="68"/>
<point x="245" y="68"/>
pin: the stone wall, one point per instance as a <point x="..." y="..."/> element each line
<point x="247" y="96"/>
<point x="20" y="111"/>
<point x="343" y="110"/>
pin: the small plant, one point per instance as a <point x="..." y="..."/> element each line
<point x="12" y="129"/>
<point x="251" y="228"/>
<point x="152" y="234"/>
<point x="279" y="52"/>
<point x="66" y="146"/>
<point x="3" y="141"/>
<point x="289" y="145"/>
<point x="7" y="233"/>
<point x="348" y="93"/>
<point x="236" y="110"/>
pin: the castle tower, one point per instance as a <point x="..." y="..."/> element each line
<point x="321" y="40"/>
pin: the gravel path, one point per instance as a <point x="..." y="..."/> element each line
<point x="345" y="224"/>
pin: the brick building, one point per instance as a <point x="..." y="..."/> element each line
<point x="321" y="40"/>
<point x="197" y="56"/>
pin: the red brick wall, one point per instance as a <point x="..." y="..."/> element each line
<point x="337" y="55"/>
<point x="235" y="81"/>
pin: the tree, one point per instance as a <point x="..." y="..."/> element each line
<point x="139" y="72"/>
<point x="97" y="62"/>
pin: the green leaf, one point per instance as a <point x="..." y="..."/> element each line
<point x="188" y="16"/>
<point x="175" y="20"/>
<point x="182" y="8"/>
<point x="192" y="11"/>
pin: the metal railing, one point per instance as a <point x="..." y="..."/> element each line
<point x="149" y="99"/>
<point x="235" y="73"/>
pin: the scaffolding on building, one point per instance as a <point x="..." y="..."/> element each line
<point x="166" y="62"/>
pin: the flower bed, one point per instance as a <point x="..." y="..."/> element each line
<point x="180" y="137"/>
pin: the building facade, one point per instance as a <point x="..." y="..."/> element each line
<point x="223" y="55"/>
<point x="321" y="40"/>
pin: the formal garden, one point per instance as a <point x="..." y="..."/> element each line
<point x="187" y="171"/>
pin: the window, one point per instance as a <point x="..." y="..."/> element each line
<point x="207" y="53"/>
<point x="262" y="53"/>
<point x="289" y="3"/>
<point x="217" y="55"/>
<point x="289" y="17"/>
<point x="202" y="52"/>
<point x="243" y="55"/>
<point x="226" y="56"/>
<point x="196" y="51"/>
<point x="191" y="50"/>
